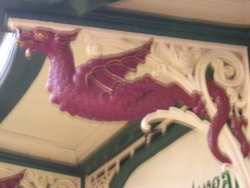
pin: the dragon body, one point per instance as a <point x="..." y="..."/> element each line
<point x="98" y="89"/>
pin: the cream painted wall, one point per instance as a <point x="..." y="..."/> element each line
<point x="183" y="163"/>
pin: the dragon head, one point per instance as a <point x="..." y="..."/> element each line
<point x="43" y="40"/>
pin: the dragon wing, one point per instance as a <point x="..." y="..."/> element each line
<point x="107" y="71"/>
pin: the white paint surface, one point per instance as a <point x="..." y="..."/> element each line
<point x="186" y="161"/>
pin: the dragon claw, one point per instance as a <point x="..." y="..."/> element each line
<point x="245" y="149"/>
<point x="243" y="122"/>
<point x="236" y="127"/>
<point x="198" y="106"/>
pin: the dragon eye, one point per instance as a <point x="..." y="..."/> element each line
<point x="41" y="36"/>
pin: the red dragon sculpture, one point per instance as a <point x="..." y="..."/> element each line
<point x="98" y="90"/>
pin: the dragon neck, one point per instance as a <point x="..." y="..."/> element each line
<point x="61" y="68"/>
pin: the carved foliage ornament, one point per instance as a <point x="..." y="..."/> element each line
<point x="99" y="89"/>
<point x="33" y="179"/>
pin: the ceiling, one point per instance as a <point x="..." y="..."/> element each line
<point x="234" y="12"/>
<point x="36" y="128"/>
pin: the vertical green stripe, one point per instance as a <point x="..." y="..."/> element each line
<point x="18" y="79"/>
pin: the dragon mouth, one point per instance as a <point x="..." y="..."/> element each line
<point x="22" y="44"/>
<point x="23" y="39"/>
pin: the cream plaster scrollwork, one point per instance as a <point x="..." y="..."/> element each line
<point x="188" y="66"/>
<point x="175" y="62"/>
<point x="187" y="63"/>
<point x="229" y="72"/>
<point x="39" y="179"/>
<point x="102" y="180"/>
<point x="62" y="183"/>
<point x="97" y="46"/>
<point x="102" y="177"/>
<point x="94" y="49"/>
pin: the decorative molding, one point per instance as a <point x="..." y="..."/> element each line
<point x="41" y="147"/>
<point x="230" y="71"/>
<point x="129" y="134"/>
<point x="239" y="39"/>
<point x="39" y="179"/>
<point x="13" y="159"/>
<point x="115" y="172"/>
<point x="104" y="175"/>
<point x="188" y="63"/>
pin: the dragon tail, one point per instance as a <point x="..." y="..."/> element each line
<point x="236" y="126"/>
<point x="220" y="118"/>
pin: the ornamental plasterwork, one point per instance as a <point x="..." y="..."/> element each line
<point x="39" y="179"/>
<point x="103" y="176"/>
<point x="188" y="63"/>
<point x="103" y="180"/>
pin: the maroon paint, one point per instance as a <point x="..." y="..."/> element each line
<point x="236" y="126"/>
<point x="12" y="181"/>
<point x="97" y="90"/>
<point x="220" y="118"/>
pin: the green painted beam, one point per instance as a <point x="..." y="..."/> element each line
<point x="111" y="148"/>
<point x="83" y="182"/>
<point x="38" y="164"/>
<point x="60" y="8"/>
<point x="83" y="6"/>
<point x="135" y="22"/>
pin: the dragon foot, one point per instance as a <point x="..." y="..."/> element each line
<point x="198" y="106"/>
<point x="236" y="127"/>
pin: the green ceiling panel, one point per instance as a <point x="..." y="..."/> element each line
<point x="18" y="78"/>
